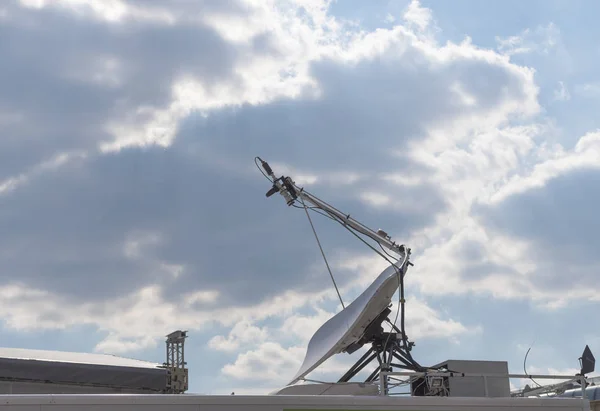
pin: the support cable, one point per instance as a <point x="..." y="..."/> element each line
<point x="322" y="252"/>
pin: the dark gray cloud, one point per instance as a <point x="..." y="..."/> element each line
<point x="50" y="57"/>
<point x="191" y="8"/>
<point x="560" y="221"/>
<point x="476" y="264"/>
<point x="66" y="230"/>
<point x="368" y="112"/>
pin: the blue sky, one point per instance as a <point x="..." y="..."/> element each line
<point x="130" y="205"/>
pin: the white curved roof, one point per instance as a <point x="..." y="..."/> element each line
<point x="81" y="369"/>
<point x="74" y="357"/>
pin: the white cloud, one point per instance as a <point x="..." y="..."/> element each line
<point x="417" y="15"/>
<point x="470" y="172"/>
<point x="263" y="79"/>
<point x="586" y="153"/>
<point x="425" y="323"/>
<point x="269" y="362"/>
<point x="138" y="320"/>
<point x="106" y="71"/>
<point x="241" y="334"/>
<point x="463" y="251"/>
<point x="589" y="90"/>
<point x="481" y="261"/>
<point x="195" y="297"/>
<point x="137" y="241"/>
<point x="302" y="327"/>
<point x="56" y="162"/>
<point x="542" y="40"/>
<point x="259" y="78"/>
<point x="376" y="199"/>
<point x="299" y="177"/>
<point x="562" y="92"/>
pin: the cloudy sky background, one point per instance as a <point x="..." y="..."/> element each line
<point x="130" y="205"/>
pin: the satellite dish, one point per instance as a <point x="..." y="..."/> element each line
<point x="587" y="360"/>
<point x="348" y="326"/>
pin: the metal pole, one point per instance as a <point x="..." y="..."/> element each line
<point x="485" y="385"/>
<point x="498" y="375"/>
<point x="382" y="384"/>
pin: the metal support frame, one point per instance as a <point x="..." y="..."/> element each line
<point x="178" y="373"/>
<point x="386" y="347"/>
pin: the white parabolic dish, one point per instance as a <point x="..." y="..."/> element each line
<point x="348" y="326"/>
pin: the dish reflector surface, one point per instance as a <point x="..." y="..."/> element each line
<point x="348" y="326"/>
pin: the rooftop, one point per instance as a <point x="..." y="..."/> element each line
<point x="74" y="357"/>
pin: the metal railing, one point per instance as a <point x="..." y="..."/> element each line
<point x="383" y="379"/>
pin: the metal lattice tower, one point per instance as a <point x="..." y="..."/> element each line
<point x="178" y="373"/>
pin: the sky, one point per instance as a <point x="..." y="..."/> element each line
<point x="130" y="204"/>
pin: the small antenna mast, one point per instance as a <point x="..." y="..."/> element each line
<point x="291" y="192"/>
<point x="178" y="372"/>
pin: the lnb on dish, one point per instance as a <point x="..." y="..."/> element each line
<point x="282" y="185"/>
